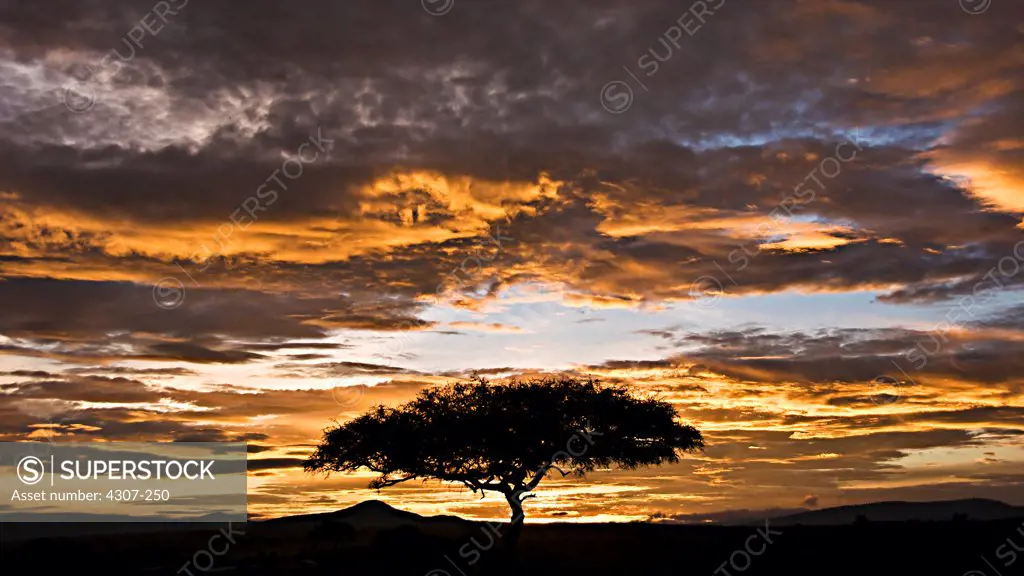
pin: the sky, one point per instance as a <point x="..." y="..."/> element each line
<point x="800" y="222"/>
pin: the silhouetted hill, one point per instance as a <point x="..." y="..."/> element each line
<point x="943" y="510"/>
<point x="371" y="514"/>
<point x="972" y="509"/>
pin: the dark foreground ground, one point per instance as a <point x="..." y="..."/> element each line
<point x="906" y="549"/>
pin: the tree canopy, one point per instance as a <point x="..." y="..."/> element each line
<point x="506" y="437"/>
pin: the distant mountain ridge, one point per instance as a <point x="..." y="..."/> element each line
<point x="892" y="511"/>
<point x="378" y="514"/>
<point x="970" y="509"/>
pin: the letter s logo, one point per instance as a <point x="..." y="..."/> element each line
<point x="30" y="470"/>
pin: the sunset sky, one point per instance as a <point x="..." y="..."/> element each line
<point x="801" y="222"/>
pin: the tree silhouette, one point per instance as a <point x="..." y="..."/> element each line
<point x="506" y="437"/>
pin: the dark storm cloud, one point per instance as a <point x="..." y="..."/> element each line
<point x="472" y="92"/>
<point x="274" y="347"/>
<point x="851" y="355"/>
<point x="1010" y="319"/>
<point x="29" y="374"/>
<point x="86" y="389"/>
<point x="180" y="187"/>
<point x="32" y="307"/>
<point x="336" y="369"/>
<point x="273" y="463"/>
<point x="216" y="435"/>
<point x="637" y="364"/>
<point x="139" y="372"/>
<point x="393" y="47"/>
<point x="93" y="321"/>
<point x="500" y="91"/>
<point x="192" y="352"/>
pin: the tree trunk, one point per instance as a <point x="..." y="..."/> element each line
<point x="515" y="527"/>
<point x="505" y="561"/>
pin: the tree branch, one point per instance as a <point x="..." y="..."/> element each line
<point x="562" y="472"/>
<point x="538" y="476"/>
<point x="476" y="484"/>
<point x="381" y="483"/>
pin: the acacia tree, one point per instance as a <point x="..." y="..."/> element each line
<point x="506" y="437"/>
